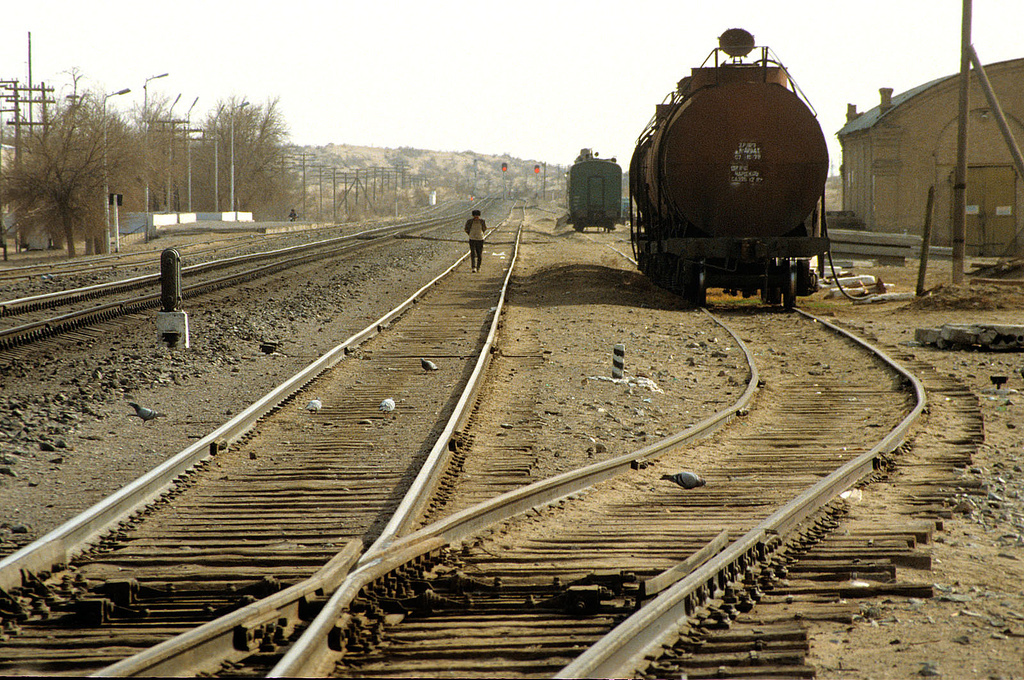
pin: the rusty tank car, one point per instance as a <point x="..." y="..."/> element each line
<point x="727" y="181"/>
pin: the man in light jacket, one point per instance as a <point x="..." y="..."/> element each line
<point x="476" y="228"/>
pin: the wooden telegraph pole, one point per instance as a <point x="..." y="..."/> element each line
<point x="960" y="175"/>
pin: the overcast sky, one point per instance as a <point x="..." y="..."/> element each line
<point x="537" y="79"/>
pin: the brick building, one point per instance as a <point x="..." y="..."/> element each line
<point x="895" y="151"/>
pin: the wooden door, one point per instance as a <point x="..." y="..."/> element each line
<point x="991" y="192"/>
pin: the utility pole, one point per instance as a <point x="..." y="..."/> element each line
<point x="960" y="174"/>
<point x="4" y="85"/>
<point x="298" y="161"/>
<point x="320" y="190"/>
<point x="189" y="132"/>
<point x="22" y="98"/>
<point x="334" y="195"/>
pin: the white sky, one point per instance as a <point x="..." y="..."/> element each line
<point x="537" y="79"/>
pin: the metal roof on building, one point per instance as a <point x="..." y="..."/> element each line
<point x="869" y="118"/>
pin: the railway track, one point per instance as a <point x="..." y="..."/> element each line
<point x="527" y="597"/>
<point x="37" y="317"/>
<point x="848" y="556"/>
<point x="246" y="513"/>
<point x="102" y="268"/>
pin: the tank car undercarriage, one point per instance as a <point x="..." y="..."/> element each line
<point x="779" y="269"/>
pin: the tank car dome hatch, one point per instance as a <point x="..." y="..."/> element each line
<point x="736" y="42"/>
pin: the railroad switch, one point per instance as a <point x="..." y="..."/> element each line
<point x="615" y="580"/>
<point x="123" y="593"/>
<point x="94" y="611"/>
<point x="579" y="599"/>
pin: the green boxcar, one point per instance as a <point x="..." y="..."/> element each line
<point x="594" y="192"/>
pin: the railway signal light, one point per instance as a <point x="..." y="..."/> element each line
<point x="504" y="167"/>
<point x="536" y="169"/>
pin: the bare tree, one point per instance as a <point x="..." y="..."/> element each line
<point x="58" y="186"/>
<point x="262" y="185"/>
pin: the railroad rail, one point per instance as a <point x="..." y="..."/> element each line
<point x="101" y="266"/>
<point x="259" y="504"/>
<point x="462" y="582"/>
<point x="831" y="566"/>
<point x="245" y="268"/>
<point x="543" y="600"/>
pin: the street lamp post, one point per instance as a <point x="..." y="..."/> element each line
<point x="170" y="152"/>
<point x="145" y="147"/>
<point x="188" y="150"/>
<point x="106" y="184"/>
<point x="216" y="159"/>
<point x="234" y="114"/>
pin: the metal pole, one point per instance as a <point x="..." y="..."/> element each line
<point x="106" y="183"/>
<point x="1004" y="127"/>
<point x="188" y="150"/>
<point x="117" y="229"/>
<point x="234" y="114"/>
<point x="231" y="204"/>
<point x="993" y="101"/>
<point x="960" y="175"/>
<point x="145" y="148"/>
<point x="216" y="168"/>
<point x="188" y="163"/>
<point x="170" y="153"/>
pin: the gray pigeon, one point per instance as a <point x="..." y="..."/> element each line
<point x="687" y="480"/>
<point x="428" y="365"/>
<point x="314" y="405"/>
<point x="146" y="414"/>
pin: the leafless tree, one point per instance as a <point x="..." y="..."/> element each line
<point x="262" y="185"/>
<point x="58" y="186"/>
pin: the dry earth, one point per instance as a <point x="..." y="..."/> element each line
<point x="974" y="627"/>
<point x="66" y="439"/>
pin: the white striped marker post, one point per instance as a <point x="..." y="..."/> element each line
<point x="618" y="360"/>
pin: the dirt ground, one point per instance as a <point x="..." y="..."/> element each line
<point x="974" y="626"/>
<point x="66" y="439"/>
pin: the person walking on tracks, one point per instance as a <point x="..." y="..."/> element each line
<point x="476" y="228"/>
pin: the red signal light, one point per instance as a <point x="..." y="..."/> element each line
<point x="536" y="169"/>
<point x="504" y="167"/>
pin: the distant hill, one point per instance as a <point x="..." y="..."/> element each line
<point x="457" y="172"/>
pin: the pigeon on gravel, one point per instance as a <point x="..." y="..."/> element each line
<point x="428" y="365"/>
<point x="146" y="414"/>
<point x="687" y="480"/>
<point x="387" y="405"/>
<point x="314" y="405"/>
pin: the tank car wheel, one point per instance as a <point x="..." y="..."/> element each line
<point x="699" y="285"/>
<point x="789" y="287"/>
